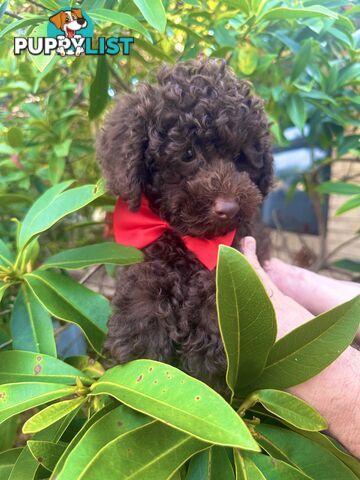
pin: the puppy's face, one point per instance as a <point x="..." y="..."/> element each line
<point x="70" y="21"/>
<point x="202" y="149"/>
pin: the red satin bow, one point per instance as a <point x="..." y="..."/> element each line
<point x="139" y="229"/>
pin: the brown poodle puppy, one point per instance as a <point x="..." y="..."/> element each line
<point x="197" y="145"/>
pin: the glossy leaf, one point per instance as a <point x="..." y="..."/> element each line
<point x="118" y="18"/>
<point x="108" y="252"/>
<point x="296" y="111"/>
<point x="289" y="408"/>
<point x="246" y="318"/>
<point x="17" y="366"/>
<point x="7" y="258"/>
<point x="353" y="202"/>
<point x="41" y="61"/>
<point x="273" y="469"/>
<point x="245" y="468"/>
<point x="163" y="451"/>
<point x="51" y="414"/>
<point x="339" y="188"/>
<point x="90" y="367"/>
<point x="301" y="59"/>
<point x="3" y="288"/>
<point x="285" y="13"/>
<point x="68" y="300"/>
<point x="46" y="453"/>
<point x="24" y="22"/>
<point x="308" y="456"/>
<point x="99" y="88"/>
<point x="348" y="264"/>
<point x="52" y="206"/>
<point x="172" y="396"/>
<point x="310" y="348"/>
<point x="31" y="325"/>
<point x="15" y="398"/>
<point x="80" y="434"/>
<point x="8" y="433"/>
<point x="153" y="12"/>
<point x="107" y="428"/>
<point x="26" y="466"/>
<point x="7" y="461"/>
<point x="326" y="442"/>
<point x="211" y="464"/>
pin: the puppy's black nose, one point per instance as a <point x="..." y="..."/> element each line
<point x="225" y="208"/>
<point x="81" y="21"/>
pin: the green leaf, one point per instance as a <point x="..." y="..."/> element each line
<point x="245" y="468"/>
<point x="16" y="366"/>
<point x="8" y="199"/>
<point x="289" y="408"/>
<point x="247" y="58"/>
<point x="3" y="288"/>
<point x="26" y="466"/>
<point x="123" y="19"/>
<point x="273" y="469"/>
<point x="87" y="365"/>
<point x="152" y="50"/>
<point x="46" y="453"/>
<point x="24" y="22"/>
<point x="68" y="300"/>
<point x="15" y="137"/>
<point x="16" y="397"/>
<point x="340" y="188"/>
<point x="212" y="464"/>
<point x="348" y="75"/>
<point x="163" y="451"/>
<point x="153" y="12"/>
<point x="51" y="4"/>
<point x="296" y="110"/>
<point x="353" y="202"/>
<point x="107" y="428"/>
<point x="108" y="252"/>
<point x="310" y="348"/>
<point x="51" y="414"/>
<point x="308" y="456"/>
<point x="99" y="88"/>
<point x="41" y="61"/>
<point x="172" y="396"/>
<point x="8" y="433"/>
<point x="7" y="461"/>
<point x="7" y="258"/>
<point x="31" y="325"/>
<point x="330" y="445"/>
<point x="301" y="59"/>
<point x="52" y="206"/>
<point x="246" y="318"/>
<point x="348" y="264"/>
<point x="285" y="13"/>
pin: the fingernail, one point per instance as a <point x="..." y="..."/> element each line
<point x="250" y="244"/>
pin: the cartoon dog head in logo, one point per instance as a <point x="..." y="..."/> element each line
<point x="69" y="21"/>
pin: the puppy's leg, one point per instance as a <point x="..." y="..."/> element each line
<point x="202" y="352"/>
<point x="143" y="323"/>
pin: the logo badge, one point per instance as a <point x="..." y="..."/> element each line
<point x="70" y="31"/>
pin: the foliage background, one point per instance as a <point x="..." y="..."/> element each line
<point x="302" y="58"/>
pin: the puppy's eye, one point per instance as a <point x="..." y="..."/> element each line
<point x="240" y="158"/>
<point x="67" y="20"/>
<point x="189" y="155"/>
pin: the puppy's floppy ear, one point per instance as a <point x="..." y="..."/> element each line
<point x="58" y="20"/>
<point x="77" y="12"/>
<point x="122" y="144"/>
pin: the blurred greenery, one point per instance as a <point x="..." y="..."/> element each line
<point x="301" y="57"/>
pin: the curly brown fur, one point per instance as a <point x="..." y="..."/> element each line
<point x="195" y="137"/>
